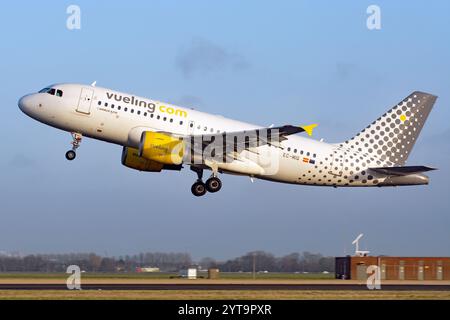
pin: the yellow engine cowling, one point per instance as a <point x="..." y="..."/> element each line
<point x="131" y="159"/>
<point x="161" y="148"/>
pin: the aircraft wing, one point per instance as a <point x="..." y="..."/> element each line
<point x="228" y="145"/>
<point x="255" y="137"/>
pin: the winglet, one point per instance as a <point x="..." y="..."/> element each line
<point x="309" y="128"/>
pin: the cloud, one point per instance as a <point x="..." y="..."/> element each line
<point x="22" y="161"/>
<point x="345" y="70"/>
<point x="439" y="141"/>
<point x="202" y="56"/>
<point x="188" y="101"/>
<point x="351" y="71"/>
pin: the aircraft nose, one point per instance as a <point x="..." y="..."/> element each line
<point x="25" y="103"/>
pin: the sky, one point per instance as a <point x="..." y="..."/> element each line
<point x="264" y="62"/>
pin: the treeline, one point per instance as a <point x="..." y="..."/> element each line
<point x="91" y="262"/>
<point x="166" y="262"/>
<point x="264" y="261"/>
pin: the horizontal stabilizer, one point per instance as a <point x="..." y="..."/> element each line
<point x="402" y="171"/>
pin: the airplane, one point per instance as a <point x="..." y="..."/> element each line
<point x="158" y="136"/>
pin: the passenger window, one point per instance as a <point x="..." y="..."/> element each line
<point x="99" y="103"/>
<point x="295" y="150"/>
<point x="145" y="114"/>
<point x="181" y="122"/>
<point x="158" y="117"/>
<point x="132" y="110"/>
<point x="139" y="112"/>
<point x="307" y="154"/>
<point x="106" y="104"/>
<point x="119" y="107"/>
<point x="171" y="120"/>
<point x="125" y="109"/>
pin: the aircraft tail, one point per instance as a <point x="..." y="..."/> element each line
<point x="391" y="137"/>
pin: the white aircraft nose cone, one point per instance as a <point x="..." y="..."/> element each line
<point x="24" y="103"/>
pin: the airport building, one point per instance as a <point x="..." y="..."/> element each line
<point x="394" y="268"/>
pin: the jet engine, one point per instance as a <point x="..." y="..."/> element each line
<point x="162" y="148"/>
<point x="131" y="159"/>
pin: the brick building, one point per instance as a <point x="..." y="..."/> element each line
<point x="394" y="268"/>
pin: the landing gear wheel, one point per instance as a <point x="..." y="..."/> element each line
<point x="76" y="141"/>
<point x="70" y="155"/>
<point x="213" y="184"/>
<point x="198" y="189"/>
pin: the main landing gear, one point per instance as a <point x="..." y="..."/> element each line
<point x="199" y="188"/>
<point x="76" y="141"/>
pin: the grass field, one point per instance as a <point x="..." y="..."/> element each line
<point x="220" y="294"/>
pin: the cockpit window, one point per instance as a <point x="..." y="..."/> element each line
<point x="52" y="91"/>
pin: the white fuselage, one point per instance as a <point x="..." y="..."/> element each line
<point x="121" y="118"/>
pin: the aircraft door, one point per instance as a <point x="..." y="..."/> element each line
<point x="84" y="104"/>
<point x="191" y="126"/>
<point x="337" y="165"/>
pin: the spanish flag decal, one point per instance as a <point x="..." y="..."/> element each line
<point x="308" y="160"/>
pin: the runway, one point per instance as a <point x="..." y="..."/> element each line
<point x="249" y="287"/>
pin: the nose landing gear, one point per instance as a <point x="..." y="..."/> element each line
<point x="76" y="141"/>
<point x="70" y="155"/>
